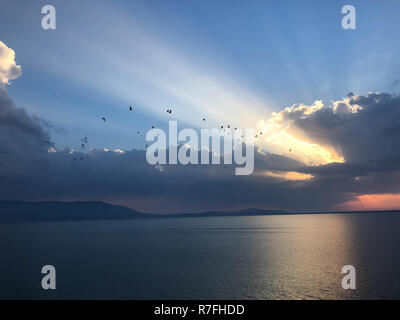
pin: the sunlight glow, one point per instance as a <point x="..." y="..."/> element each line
<point x="384" y="201"/>
<point x="288" y="175"/>
<point x="276" y="139"/>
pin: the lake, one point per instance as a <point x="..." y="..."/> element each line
<point x="254" y="257"/>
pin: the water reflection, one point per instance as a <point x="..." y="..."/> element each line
<point x="266" y="257"/>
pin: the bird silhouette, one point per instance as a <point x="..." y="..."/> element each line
<point x="84" y="140"/>
<point x="130" y="108"/>
<point x="204" y="119"/>
<point x="104" y="119"/>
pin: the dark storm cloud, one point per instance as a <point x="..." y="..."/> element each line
<point x="362" y="128"/>
<point x="30" y="172"/>
<point x="51" y="127"/>
<point x="396" y="82"/>
<point x="22" y="141"/>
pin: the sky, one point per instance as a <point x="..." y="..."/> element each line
<point x="325" y="98"/>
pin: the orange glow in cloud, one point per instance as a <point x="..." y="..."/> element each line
<point x="386" y="201"/>
<point x="288" y="175"/>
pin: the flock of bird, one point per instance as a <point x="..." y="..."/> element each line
<point x="85" y="140"/>
<point x="170" y="112"/>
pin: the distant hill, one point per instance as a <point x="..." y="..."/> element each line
<point x="20" y="211"/>
<point x="16" y="211"/>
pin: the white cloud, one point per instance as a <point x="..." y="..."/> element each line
<point x="357" y="128"/>
<point x="281" y="135"/>
<point x="9" y="70"/>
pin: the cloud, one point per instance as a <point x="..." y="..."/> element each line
<point x="386" y="201"/>
<point x="9" y="70"/>
<point x="335" y="156"/>
<point x="282" y="135"/>
<point x="289" y="175"/>
<point x="30" y="169"/>
<point x="396" y="82"/>
<point x="355" y="129"/>
<point x="22" y="139"/>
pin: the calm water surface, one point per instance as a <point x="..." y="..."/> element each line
<point x="267" y="257"/>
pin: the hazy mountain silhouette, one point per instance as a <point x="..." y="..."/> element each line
<point x="19" y="211"/>
<point x="16" y="211"/>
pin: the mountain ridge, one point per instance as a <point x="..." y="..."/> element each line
<point x="42" y="211"/>
<point x="26" y="211"/>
